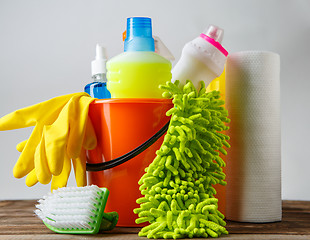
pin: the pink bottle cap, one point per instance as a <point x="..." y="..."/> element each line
<point x="214" y="35"/>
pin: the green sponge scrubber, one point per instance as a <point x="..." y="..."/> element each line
<point x="178" y="197"/>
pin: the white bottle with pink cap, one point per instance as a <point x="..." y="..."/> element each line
<point x="202" y="59"/>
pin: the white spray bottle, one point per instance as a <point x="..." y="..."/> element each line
<point x="98" y="88"/>
<point x="202" y="59"/>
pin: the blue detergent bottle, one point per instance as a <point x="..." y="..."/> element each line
<point x="98" y="88"/>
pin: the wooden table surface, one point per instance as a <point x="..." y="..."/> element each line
<point x="17" y="221"/>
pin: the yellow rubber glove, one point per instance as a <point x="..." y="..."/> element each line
<point x="44" y="113"/>
<point x="79" y="164"/>
<point x="62" y="127"/>
<point x="36" y="115"/>
<point x="62" y="179"/>
<point x="59" y="181"/>
<point x="66" y="134"/>
<point x="62" y="143"/>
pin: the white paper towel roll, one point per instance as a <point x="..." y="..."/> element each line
<point x="254" y="159"/>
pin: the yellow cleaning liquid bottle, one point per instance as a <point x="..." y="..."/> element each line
<point x="218" y="84"/>
<point x="138" y="72"/>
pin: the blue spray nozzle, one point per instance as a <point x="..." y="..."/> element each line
<point x="139" y="35"/>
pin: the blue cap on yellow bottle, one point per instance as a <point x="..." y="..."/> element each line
<point x="139" y="35"/>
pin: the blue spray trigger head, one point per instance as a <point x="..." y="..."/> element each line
<point x="139" y="35"/>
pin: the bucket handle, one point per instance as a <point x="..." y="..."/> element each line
<point x="95" y="167"/>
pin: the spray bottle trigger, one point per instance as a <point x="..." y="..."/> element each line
<point x="162" y="50"/>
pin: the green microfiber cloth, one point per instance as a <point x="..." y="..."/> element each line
<point x="178" y="195"/>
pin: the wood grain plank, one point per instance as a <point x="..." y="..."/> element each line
<point x="135" y="237"/>
<point x="17" y="218"/>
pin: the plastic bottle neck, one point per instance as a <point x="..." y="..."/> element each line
<point x="214" y="43"/>
<point x="139" y="35"/>
<point x="100" y="77"/>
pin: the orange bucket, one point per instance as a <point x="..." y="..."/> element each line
<point x="121" y="125"/>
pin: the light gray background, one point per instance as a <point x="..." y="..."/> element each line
<point x="46" y="48"/>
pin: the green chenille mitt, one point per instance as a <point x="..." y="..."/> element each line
<point x="178" y="195"/>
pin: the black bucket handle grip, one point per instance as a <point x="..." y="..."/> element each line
<point x="95" y="167"/>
